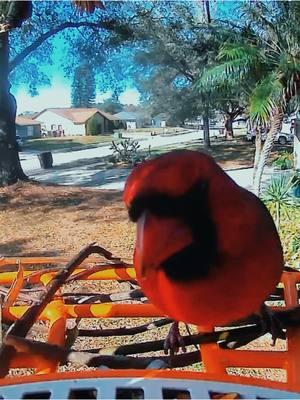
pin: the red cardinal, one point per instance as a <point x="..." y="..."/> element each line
<point x="207" y="251"/>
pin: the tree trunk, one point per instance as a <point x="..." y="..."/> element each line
<point x="10" y="166"/>
<point x="297" y="145"/>
<point x="258" y="148"/>
<point x="228" y="126"/>
<point x="276" y="124"/>
<point x="206" y="137"/>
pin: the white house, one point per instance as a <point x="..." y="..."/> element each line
<point x="160" y="120"/>
<point x="132" y="120"/>
<point x="75" y="121"/>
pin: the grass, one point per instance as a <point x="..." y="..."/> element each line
<point x="231" y="154"/>
<point x="69" y="143"/>
<point x="73" y="143"/>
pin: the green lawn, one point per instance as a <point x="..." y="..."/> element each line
<point x="66" y="143"/>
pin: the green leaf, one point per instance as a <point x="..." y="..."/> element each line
<point x="267" y="95"/>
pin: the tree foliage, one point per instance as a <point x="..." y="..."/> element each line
<point x="111" y="105"/>
<point x="57" y="33"/>
<point x="83" y="87"/>
<point x="266" y="66"/>
<point x="93" y="127"/>
<point x="176" y="45"/>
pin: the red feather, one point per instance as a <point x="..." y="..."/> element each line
<point x="250" y="254"/>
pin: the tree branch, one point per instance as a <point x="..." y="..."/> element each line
<point x="87" y="298"/>
<point x="59" y="354"/>
<point x="109" y="25"/>
<point x="225" y="338"/>
<point x="124" y="331"/>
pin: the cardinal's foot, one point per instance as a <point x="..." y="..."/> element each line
<point x="272" y="324"/>
<point x="174" y="341"/>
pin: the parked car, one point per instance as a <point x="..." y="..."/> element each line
<point x="282" y="137"/>
<point x="20" y="142"/>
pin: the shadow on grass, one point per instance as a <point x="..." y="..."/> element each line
<point x="235" y="153"/>
<point x="13" y="247"/>
<point x="49" y="198"/>
<point x="231" y="154"/>
<point x="86" y="173"/>
<point x="19" y="247"/>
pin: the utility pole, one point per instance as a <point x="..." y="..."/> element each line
<point x="207" y="11"/>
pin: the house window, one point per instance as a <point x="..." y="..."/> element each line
<point x="53" y="127"/>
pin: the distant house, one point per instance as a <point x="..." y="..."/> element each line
<point x="131" y="120"/>
<point x="27" y="128"/>
<point x="160" y="120"/>
<point x="75" y="121"/>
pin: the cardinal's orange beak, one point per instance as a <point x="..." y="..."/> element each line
<point x="157" y="239"/>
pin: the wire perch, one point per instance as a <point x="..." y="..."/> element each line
<point x="49" y="282"/>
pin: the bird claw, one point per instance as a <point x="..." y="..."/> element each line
<point x="174" y="341"/>
<point x="266" y="320"/>
<point x="271" y="323"/>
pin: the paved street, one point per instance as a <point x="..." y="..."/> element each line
<point x="86" y="167"/>
<point x="30" y="160"/>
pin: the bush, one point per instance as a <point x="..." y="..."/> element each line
<point x="290" y="239"/>
<point x="286" y="211"/>
<point x="93" y="127"/>
<point x="126" y="151"/>
<point x="277" y="197"/>
<point x="284" y="161"/>
<point x="295" y="191"/>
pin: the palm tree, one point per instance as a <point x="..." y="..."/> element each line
<point x="12" y="15"/>
<point x="266" y="65"/>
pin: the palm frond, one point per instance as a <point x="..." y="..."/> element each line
<point x="226" y="74"/>
<point x="266" y="97"/>
<point x="279" y="190"/>
<point x="237" y="63"/>
<point x="239" y="51"/>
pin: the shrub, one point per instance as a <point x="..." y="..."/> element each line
<point x="290" y="239"/>
<point x="278" y="198"/>
<point x="126" y="151"/>
<point x="284" y="161"/>
<point x="93" y="127"/>
<point x="286" y="212"/>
